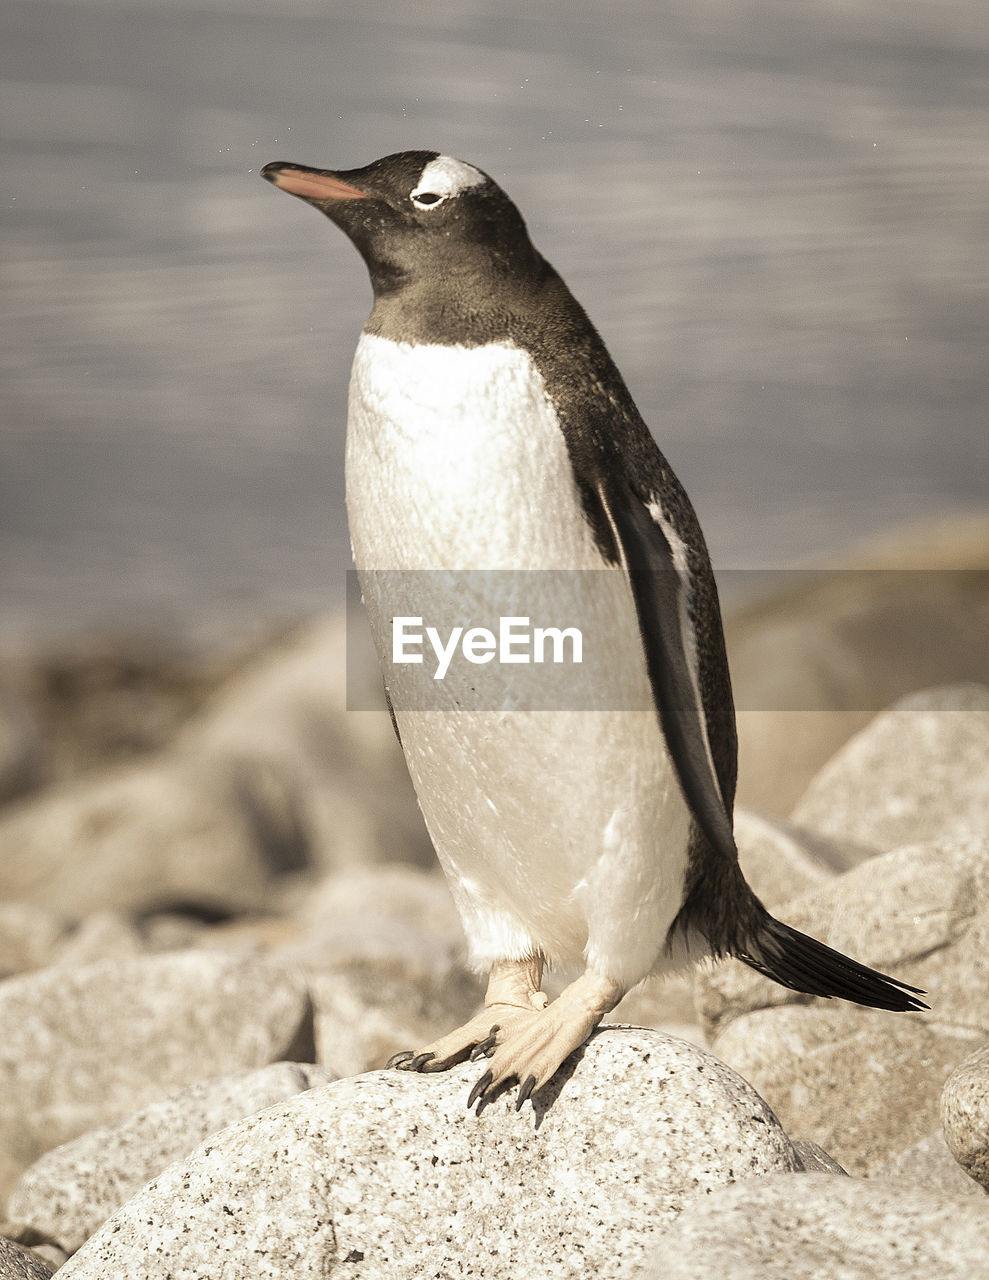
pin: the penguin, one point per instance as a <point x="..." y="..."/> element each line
<point x="489" y="429"/>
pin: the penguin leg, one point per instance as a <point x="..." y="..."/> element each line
<point x="513" y="997"/>
<point x="533" y="1048"/>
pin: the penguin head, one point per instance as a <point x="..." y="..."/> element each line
<point x="417" y="214"/>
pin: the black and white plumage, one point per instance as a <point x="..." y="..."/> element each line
<point x="490" y="429"/>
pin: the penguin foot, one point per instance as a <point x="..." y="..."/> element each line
<point x="534" y="1048"/>
<point x="513" y="997"/>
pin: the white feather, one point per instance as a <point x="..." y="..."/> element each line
<point x="563" y="831"/>
<point x="446" y="176"/>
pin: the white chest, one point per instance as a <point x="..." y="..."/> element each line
<point x="455" y="460"/>
<point x="546" y="822"/>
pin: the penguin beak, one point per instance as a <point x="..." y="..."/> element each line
<point x="310" y="184"/>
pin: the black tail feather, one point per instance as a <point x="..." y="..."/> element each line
<point x="802" y="963"/>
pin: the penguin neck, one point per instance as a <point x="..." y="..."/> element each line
<point x="463" y="305"/>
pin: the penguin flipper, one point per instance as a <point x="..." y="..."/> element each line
<point x="660" y="600"/>
<point x="802" y="963"/>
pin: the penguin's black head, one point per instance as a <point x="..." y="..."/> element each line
<point x="418" y="216"/>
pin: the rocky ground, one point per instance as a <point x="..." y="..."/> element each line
<point x="220" y="916"/>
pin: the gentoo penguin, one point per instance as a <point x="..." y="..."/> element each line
<point x="489" y="429"/>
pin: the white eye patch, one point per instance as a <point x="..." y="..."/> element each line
<point x="444" y="177"/>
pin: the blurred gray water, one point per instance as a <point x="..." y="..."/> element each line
<point x="777" y="215"/>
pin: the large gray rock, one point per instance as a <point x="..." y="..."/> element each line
<point x="87" y="1047"/>
<point x="930" y="1165"/>
<point x="965" y="1115"/>
<point x="139" y="837"/>
<point x="273" y="781"/>
<point x="781" y="861"/>
<point x="785" y="1227"/>
<point x="917" y="773"/>
<point x="30" y="934"/>
<point x="21" y="1264"/>
<point x="390" y="1176"/>
<point x="384" y="956"/>
<point x="381" y="914"/>
<point x="71" y="1191"/>
<point x="818" y="653"/>
<point x="862" y="1083"/>
<point x="333" y="779"/>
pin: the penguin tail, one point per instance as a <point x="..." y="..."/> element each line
<point x="802" y="963"/>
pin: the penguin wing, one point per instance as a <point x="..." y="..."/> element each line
<point x="654" y="559"/>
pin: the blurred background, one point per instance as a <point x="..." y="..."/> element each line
<point x="776" y="215"/>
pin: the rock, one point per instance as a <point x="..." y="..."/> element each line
<point x="71" y="1191"/>
<point x="29" y="936"/>
<point x="780" y="752"/>
<point x="781" y="861"/>
<point x="333" y="778"/>
<point x="664" y="1004"/>
<point x="366" y="1014"/>
<point x="391" y="1176"/>
<point x="828" y="1074"/>
<point x="929" y="1164"/>
<point x="862" y="1083"/>
<point x="23" y="758"/>
<point x="965" y="1115"/>
<point x="819" y="652"/>
<point x="274" y="781"/>
<point x="21" y="1264"/>
<point x="383" y="913"/>
<point x="384" y="956"/>
<point x="814" y="1159"/>
<point x="917" y="773"/>
<point x="141" y="837"/>
<point x="784" y="1227"/>
<point x="104" y="698"/>
<point x="88" y="1046"/>
<point x="105" y="935"/>
<point x="909" y="912"/>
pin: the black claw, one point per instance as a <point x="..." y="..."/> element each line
<point x="399" y="1059"/>
<point x="485" y="1048"/>
<point x="480" y="1088"/>
<point x="420" y="1061"/>
<point x="525" y="1090"/>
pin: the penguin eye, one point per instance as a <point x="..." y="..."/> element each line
<point x="426" y="199"/>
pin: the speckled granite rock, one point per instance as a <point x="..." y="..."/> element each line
<point x="21" y="1264"/>
<point x="71" y="1191"/>
<point x="788" y="1228"/>
<point x="929" y="1165"/>
<point x="965" y="1115"/>
<point x="916" y="773"/>
<point x="862" y="1083"/>
<point x="391" y="1175"/>
<point x="88" y="1046"/>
